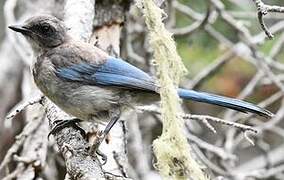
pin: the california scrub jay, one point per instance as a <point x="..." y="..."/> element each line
<point x="87" y="83"/>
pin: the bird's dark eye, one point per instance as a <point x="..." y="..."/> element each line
<point x="46" y="28"/>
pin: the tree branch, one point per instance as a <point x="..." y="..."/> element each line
<point x="262" y="10"/>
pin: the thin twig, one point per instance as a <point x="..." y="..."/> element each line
<point x="201" y="118"/>
<point x="22" y="105"/>
<point x="212" y="148"/>
<point x="262" y="10"/>
<point x="20" y="139"/>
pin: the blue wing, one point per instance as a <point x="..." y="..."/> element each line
<point x="114" y="72"/>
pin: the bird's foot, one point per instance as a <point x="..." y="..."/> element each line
<point x="94" y="149"/>
<point x="60" y="124"/>
<point x="102" y="155"/>
<point x="100" y="136"/>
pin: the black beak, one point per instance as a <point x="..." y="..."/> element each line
<point x="19" y="28"/>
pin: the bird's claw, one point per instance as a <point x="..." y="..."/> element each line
<point x="60" y="124"/>
<point x="102" y="155"/>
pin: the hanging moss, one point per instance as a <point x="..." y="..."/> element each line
<point x="171" y="148"/>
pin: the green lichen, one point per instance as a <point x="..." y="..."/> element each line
<point x="171" y="148"/>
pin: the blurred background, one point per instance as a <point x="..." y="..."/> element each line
<point x="225" y="51"/>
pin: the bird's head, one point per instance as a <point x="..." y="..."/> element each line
<point x="44" y="31"/>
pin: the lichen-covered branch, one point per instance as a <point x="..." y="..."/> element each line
<point x="171" y="149"/>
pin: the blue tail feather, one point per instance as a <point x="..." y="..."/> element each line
<point x="231" y="103"/>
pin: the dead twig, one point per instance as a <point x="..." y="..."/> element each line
<point x="203" y="118"/>
<point x="262" y="10"/>
<point x="22" y="105"/>
<point x="20" y="139"/>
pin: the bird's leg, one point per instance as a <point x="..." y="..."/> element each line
<point x="115" y="115"/>
<point x="60" y="124"/>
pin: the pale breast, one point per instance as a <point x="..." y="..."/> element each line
<point x="75" y="98"/>
<point x="79" y="100"/>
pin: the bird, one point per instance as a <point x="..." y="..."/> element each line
<point x="87" y="83"/>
